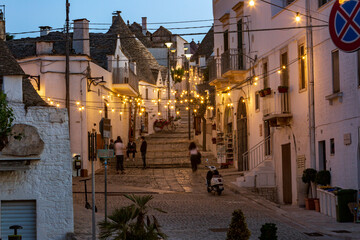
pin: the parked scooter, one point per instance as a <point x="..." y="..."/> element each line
<point x="214" y="181"/>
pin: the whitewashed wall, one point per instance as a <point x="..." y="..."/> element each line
<point x="49" y="181"/>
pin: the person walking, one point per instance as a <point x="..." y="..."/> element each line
<point x="143" y="149"/>
<point x="119" y="153"/>
<point x="131" y="149"/>
<point x="194" y="156"/>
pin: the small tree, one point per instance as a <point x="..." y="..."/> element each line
<point x="129" y="222"/>
<point x="177" y="74"/>
<point x="268" y="232"/>
<point x="323" y="178"/>
<point x="238" y="229"/>
<point x="6" y="120"/>
<point x="308" y="177"/>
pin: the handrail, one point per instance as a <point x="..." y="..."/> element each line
<point x="256" y="155"/>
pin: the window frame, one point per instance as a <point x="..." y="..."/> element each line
<point x="257" y="101"/>
<point x="284" y="75"/>
<point x="265" y="73"/>
<point x="302" y="68"/>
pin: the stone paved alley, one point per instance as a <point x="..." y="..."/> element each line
<point x="192" y="213"/>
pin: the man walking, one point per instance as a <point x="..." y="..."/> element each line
<point x="143" y="149"/>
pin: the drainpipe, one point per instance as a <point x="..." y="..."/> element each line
<point x="311" y="95"/>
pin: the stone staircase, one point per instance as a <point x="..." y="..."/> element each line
<point x="259" y="169"/>
<point x="169" y="149"/>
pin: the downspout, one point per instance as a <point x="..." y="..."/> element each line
<point x="204" y="133"/>
<point x="311" y="95"/>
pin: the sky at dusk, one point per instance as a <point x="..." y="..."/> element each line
<point x="28" y="15"/>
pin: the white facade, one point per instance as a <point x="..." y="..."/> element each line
<point x="48" y="182"/>
<point x="287" y="113"/>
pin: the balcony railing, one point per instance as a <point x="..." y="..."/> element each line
<point x="125" y="76"/>
<point x="232" y="60"/>
<point x="133" y="80"/>
<point x="275" y="104"/>
<point x="214" y="64"/>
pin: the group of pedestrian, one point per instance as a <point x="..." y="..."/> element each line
<point x="119" y="149"/>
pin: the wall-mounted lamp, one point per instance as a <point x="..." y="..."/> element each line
<point x="95" y="81"/>
<point x="36" y="79"/>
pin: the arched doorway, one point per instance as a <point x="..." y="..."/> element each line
<point x="242" y="134"/>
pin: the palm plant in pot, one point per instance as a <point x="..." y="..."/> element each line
<point x="308" y="177"/>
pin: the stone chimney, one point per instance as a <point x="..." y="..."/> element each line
<point x="81" y="41"/>
<point x="2" y="26"/>
<point x="44" y="30"/>
<point x="144" y="25"/>
<point x="43" y="48"/>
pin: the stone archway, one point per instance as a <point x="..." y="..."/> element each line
<point x="242" y="133"/>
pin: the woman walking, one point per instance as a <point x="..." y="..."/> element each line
<point x="119" y="153"/>
<point x="194" y="156"/>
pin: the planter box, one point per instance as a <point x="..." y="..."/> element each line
<point x="309" y="204"/>
<point x="327" y="202"/>
<point x="267" y="91"/>
<point x="282" y="89"/>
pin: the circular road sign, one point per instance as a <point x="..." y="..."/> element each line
<point x="344" y="25"/>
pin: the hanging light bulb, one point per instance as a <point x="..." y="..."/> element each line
<point x="297" y="17"/>
<point x="159" y="113"/>
<point x="121" y="113"/>
<point x="252" y="3"/>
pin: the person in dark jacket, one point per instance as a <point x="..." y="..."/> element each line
<point x="143" y="149"/>
<point x="131" y="148"/>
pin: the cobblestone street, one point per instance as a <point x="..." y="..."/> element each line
<point x="192" y="213"/>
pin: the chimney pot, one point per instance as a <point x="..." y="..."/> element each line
<point x="81" y="41"/>
<point x="44" y="30"/>
<point x="144" y="25"/>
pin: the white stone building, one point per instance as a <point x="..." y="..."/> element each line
<point x="269" y="137"/>
<point x="109" y="75"/>
<point x="35" y="175"/>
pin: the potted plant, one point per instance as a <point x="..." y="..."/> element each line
<point x="238" y="229"/>
<point x="267" y="91"/>
<point x="283" y="89"/>
<point x="268" y="231"/>
<point x="308" y="177"/>
<point x="262" y="93"/>
<point x="323" y="179"/>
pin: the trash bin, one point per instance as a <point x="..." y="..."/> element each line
<point x="345" y="196"/>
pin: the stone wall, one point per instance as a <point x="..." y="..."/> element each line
<point x="49" y="180"/>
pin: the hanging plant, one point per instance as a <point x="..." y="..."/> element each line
<point x="262" y="93"/>
<point x="267" y="91"/>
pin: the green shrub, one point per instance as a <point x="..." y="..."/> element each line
<point x="323" y="178"/>
<point x="238" y="229"/>
<point x="268" y="232"/>
<point x="6" y="120"/>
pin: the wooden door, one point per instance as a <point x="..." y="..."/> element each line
<point x="286" y="173"/>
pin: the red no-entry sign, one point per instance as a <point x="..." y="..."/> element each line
<point x="344" y="25"/>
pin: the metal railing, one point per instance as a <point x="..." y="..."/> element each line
<point x="256" y="155"/>
<point x="278" y="103"/>
<point x="214" y="64"/>
<point x="232" y="59"/>
<point x="133" y="80"/>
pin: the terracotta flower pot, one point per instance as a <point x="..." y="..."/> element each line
<point x="262" y="93"/>
<point x="309" y="204"/>
<point x="317" y="204"/>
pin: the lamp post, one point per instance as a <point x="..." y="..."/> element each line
<point x="188" y="56"/>
<point x="168" y="45"/>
